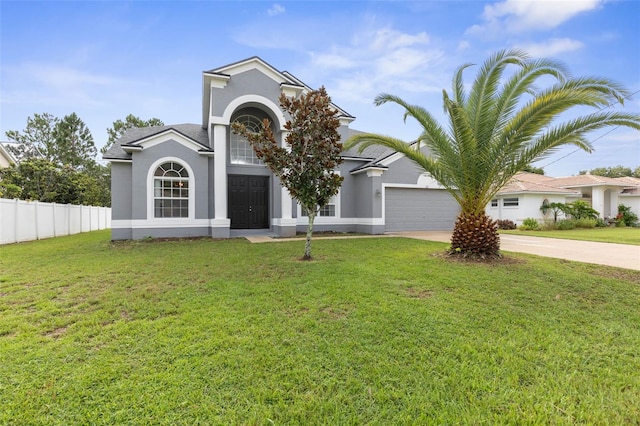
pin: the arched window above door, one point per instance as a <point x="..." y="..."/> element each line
<point x="240" y="149"/>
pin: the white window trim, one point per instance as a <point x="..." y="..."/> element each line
<point x="303" y="220"/>
<point x="511" y="206"/>
<point x="151" y="197"/>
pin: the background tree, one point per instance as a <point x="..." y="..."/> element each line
<point x="37" y="179"/>
<point x="61" y="141"/>
<point x="130" y="122"/>
<point x="74" y="143"/>
<point x="613" y="172"/>
<point x="499" y="127"/>
<point x="37" y="139"/>
<point x="306" y="169"/>
<point x="532" y="169"/>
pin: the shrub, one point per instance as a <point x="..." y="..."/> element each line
<point x="566" y="224"/>
<point x="581" y="210"/>
<point x="548" y="225"/>
<point x="9" y="190"/>
<point x="586" y="223"/>
<point x="529" y="224"/>
<point x="505" y="224"/>
<point x="601" y="223"/>
<point x="554" y="208"/>
<point x="625" y="216"/>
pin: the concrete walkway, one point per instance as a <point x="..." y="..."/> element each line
<point x="618" y="255"/>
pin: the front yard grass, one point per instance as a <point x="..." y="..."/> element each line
<point x="624" y="235"/>
<point x="374" y="331"/>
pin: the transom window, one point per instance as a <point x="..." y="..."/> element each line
<point x="241" y="151"/>
<point x="171" y="191"/>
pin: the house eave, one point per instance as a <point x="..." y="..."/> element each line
<point x="369" y="169"/>
<point x="549" y="193"/>
<point x="131" y="148"/>
<point x="598" y="184"/>
<point x="118" y="160"/>
<point x="364" y="160"/>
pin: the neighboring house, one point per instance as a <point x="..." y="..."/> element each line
<point x="7" y="159"/>
<point x="14" y="152"/>
<point x="523" y="196"/>
<point x="204" y="180"/>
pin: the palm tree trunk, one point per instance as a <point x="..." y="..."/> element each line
<point x="475" y="235"/>
<point x="307" y="245"/>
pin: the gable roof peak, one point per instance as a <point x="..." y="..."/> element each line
<point x="253" y="62"/>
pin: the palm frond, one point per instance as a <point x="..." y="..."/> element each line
<point x="484" y="90"/>
<point x="503" y="124"/>
<point x="459" y="94"/>
<point x="421" y="115"/>
<point x="573" y="132"/>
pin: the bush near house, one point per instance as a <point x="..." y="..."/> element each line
<point x="625" y="216"/>
<point x="506" y="224"/>
<point x="529" y="224"/>
<point x="580" y="210"/>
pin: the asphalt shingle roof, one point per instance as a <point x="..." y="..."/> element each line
<point x="532" y="182"/>
<point x="132" y="136"/>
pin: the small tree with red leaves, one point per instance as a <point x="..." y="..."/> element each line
<point x="306" y="166"/>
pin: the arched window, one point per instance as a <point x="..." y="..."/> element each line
<point x="241" y="151"/>
<point x="171" y="190"/>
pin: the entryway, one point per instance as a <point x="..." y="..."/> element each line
<point x="248" y="201"/>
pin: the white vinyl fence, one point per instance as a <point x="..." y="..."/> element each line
<point x="32" y="220"/>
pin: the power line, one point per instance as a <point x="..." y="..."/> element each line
<point x="596" y="139"/>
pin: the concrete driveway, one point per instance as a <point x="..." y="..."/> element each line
<point x="619" y="255"/>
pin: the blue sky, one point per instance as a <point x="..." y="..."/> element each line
<point x="104" y="60"/>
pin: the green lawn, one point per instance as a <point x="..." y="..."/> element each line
<point x="605" y="235"/>
<point x="374" y="331"/>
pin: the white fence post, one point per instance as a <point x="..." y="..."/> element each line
<point x="36" y="203"/>
<point x="54" y="219"/>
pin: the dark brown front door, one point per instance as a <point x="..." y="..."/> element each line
<point x="248" y="201"/>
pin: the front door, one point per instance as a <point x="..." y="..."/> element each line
<point x="248" y="201"/>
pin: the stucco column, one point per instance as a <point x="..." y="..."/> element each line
<point x="597" y="200"/>
<point x="220" y="175"/>
<point x="285" y="197"/>
<point x="285" y="225"/>
<point x="286" y="203"/>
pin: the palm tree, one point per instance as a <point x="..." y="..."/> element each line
<point x="498" y="128"/>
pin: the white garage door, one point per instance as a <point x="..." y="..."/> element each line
<point x="409" y="209"/>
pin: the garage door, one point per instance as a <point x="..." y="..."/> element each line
<point x="409" y="209"/>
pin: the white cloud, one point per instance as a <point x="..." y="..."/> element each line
<point x="516" y="16"/>
<point x="335" y="60"/>
<point x="383" y="59"/>
<point x="276" y="9"/>
<point x="387" y="39"/>
<point x="463" y="45"/>
<point x="552" y="47"/>
<point x="52" y="84"/>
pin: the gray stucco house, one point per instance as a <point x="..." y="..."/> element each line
<point x="188" y="180"/>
